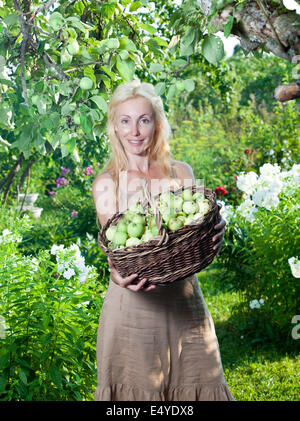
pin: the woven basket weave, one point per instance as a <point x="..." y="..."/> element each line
<point x="172" y="255"/>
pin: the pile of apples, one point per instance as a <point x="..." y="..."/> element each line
<point x="138" y="225"/>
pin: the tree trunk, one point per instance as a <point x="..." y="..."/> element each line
<point x="11" y="175"/>
<point x="261" y="23"/>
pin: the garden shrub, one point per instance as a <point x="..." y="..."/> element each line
<point x="262" y="236"/>
<point x="50" y="306"/>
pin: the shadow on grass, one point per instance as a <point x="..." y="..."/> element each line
<point x="240" y="342"/>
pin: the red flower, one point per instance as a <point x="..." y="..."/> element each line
<point x="220" y="191"/>
<point x="247" y="150"/>
<point x="235" y="177"/>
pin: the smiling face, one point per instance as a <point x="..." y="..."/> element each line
<point x="135" y="125"/>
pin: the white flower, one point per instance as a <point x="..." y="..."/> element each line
<point x="294" y="263"/>
<point x="256" y="303"/>
<point x="269" y="170"/>
<point x="68" y="273"/>
<point x="6" y="232"/>
<point x="82" y="277"/>
<point x="55" y="248"/>
<point x="247" y="182"/>
<point x="247" y="209"/>
<point x="227" y="211"/>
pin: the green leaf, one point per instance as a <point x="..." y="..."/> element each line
<point x="213" y="48"/>
<point x="171" y="92"/>
<point x="55" y="376"/>
<point x="100" y="102"/>
<point x="186" y="50"/>
<point x="4" y="360"/>
<point x="56" y="20"/>
<point x="23" y="377"/>
<point x="127" y="44"/>
<point x="124" y="70"/>
<point x="228" y="26"/>
<point x="148" y="28"/>
<point x="134" y="6"/>
<point x="112" y="43"/>
<point x="108" y="9"/>
<point x="189" y="85"/>
<point x="156" y="67"/>
<point x="160" y="88"/>
<point x="161" y="41"/>
<point x="85" y="124"/>
<point x="111" y="74"/>
<point x="188" y="37"/>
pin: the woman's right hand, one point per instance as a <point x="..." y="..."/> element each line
<point x="126" y="282"/>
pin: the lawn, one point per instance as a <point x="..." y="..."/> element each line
<point x="254" y="371"/>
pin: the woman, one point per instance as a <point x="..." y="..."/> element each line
<point x="155" y="343"/>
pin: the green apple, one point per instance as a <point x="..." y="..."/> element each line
<point x="128" y="215"/>
<point x="120" y="238"/>
<point x="133" y="241"/>
<point x="189" y="219"/>
<point x="73" y="47"/>
<point x="155" y="230"/>
<point x="203" y="207"/>
<point x="190" y="207"/>
<point x="197" y="216"/>
<point x="175" y="224"/>
<point x="136" y="208"/>
<point x="122" y="226"/>
<point x="187" y="195"/>
<point x="86" y="83"/>
<point x="135" y="229"/>
<point x="182" y="218"/>
<point x="198" y="196"/>
<point x="167" y="197"/>
<point x="138" y="219"/>
<point x="110" y="232"/>
<point x="147" y="236"/>
<point x="178" y="202"/>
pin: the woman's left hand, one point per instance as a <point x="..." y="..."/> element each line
<point x="219" y="238"/>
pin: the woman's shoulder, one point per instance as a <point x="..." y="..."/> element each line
<point x="183" y="169"/>
<point x="100" y="178"/>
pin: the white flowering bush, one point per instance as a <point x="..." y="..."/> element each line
<point x="49" y="309"/>
<point x="261" y="247"/>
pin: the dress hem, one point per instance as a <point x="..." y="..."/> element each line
<point x="198" y="392"/>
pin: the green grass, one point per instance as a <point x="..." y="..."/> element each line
<point x="254" y="371"/>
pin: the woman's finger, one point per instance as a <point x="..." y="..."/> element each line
<point x="218" y="246"/>
<point x="219" y="235"/>
<point x="220" y="224"/>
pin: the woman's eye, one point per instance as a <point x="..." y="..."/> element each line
<point x="145" y="120"/>
<point x="123" y="121"/>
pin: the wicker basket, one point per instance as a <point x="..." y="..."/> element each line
<point x="170" y="256"/>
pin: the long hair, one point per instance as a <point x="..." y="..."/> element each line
<point x="158" y="149"/>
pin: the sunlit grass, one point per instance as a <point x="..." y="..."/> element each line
<point x="253" y="372"/>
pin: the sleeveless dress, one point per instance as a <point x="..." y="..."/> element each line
<point x="158" y="345"/>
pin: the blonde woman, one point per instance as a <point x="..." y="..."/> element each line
<point x="155" y="343"/>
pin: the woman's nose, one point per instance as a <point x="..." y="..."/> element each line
<point x="135" y="130"/>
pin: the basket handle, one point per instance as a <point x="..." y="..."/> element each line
<point x="151" y="201"/>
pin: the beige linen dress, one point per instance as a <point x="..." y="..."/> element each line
<point x="158" y="345"/>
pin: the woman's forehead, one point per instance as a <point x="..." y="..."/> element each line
<point x="135" y="106"/>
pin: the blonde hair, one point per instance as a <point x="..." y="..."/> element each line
<point x="158" y="150"/>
